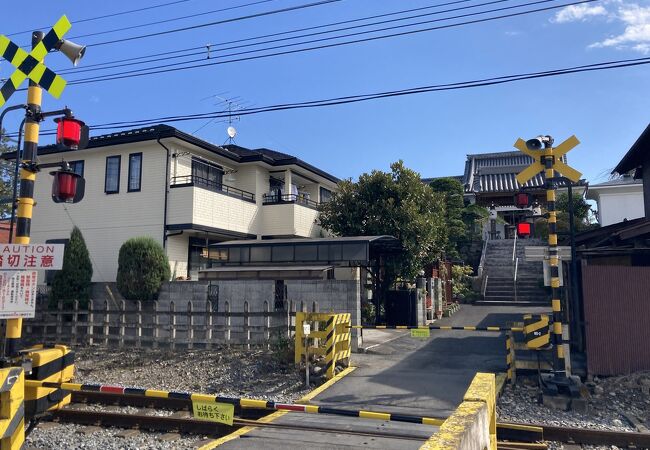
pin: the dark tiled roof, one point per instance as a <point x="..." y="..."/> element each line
<point x="496" y="172"/>
<point x="232" y="152"/>
<point x="245" y="152"/>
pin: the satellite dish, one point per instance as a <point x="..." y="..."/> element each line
<point x="231" y="132"/>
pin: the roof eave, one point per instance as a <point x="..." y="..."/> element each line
<point x="632" y="158"/>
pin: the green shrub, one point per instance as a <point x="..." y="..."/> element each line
<point x="461" y="281"/>
<point x="142" y="268"/>
<point x="72" y="282"/>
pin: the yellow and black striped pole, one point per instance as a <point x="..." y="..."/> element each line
<point x="26" y="195"/>
<point x="559" y="367"/>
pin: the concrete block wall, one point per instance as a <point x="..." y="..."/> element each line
<point x="340" y="296"/>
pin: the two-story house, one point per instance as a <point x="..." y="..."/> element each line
<point x="181" y="190"/>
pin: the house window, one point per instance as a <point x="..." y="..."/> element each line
<point x="77" y="167"/>
<point x="112" y="177"/>
<point x="200" y="255"/>
<point x="135" y="172"/>
<point x="206" y="174"/>
<point x="325" y="195"/>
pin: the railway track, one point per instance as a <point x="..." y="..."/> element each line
<point x="510" y="435"/>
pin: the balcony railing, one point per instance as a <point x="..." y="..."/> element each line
<point x="279" y="199"/>
<point x="211" y="185"/>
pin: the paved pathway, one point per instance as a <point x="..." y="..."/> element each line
<point x="424" y="377"/>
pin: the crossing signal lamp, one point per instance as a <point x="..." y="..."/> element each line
<point x="71" y="133"/>
<point x="67" y="186"/>
<point x="523" y="229"/>
<point x="522" y="200"/>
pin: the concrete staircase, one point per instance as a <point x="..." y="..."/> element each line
<point x="499" y="268"/>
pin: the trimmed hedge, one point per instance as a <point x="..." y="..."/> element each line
<point x="142" y="269"/>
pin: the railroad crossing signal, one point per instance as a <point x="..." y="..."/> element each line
<point x="29" y="65"/>
<point x="555" y="152"/>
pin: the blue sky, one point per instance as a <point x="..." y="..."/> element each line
<point x="431" y="132"/>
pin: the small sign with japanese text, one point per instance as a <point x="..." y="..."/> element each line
<point x="420" y="332"/>
<point x="17" y="294"/>
<point x="215" y="412"/>
<point x="31" y="256"/>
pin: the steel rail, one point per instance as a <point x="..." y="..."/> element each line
<point x="196" y="426"/>
<point x="514" y="433"/>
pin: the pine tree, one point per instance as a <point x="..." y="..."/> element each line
<point x="73" y="281"/>
<point x="142" y="268"/>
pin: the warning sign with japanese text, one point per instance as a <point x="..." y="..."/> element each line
<point x="215" y="412"/>
<point x="420" y="332"/>
<point x="31" y="256"/>
<point x="17" y="294"/>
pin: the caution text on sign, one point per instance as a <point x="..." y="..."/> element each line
<point x="17" y="294"/>
<point x="215" y="412"/>
<point x="420" y="332"/>
<point x="31" y="256"/>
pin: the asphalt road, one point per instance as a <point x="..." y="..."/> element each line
<point x="424" y="377"/>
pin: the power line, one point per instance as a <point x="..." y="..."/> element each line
<point x="203" y="51"/>
<point x="483" y="82"/>
<point x="89" y="19"/>
<point x="219" y="22"/>
<point x="173" y="19"/>
<point x="296" y="30"/>
<point x="173" y="67"/>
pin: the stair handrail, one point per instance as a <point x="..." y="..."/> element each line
<point x="514" y="248"/>
<point x="515" y="276"/>
<point x="484" y="286"/>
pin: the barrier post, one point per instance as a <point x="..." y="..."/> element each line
<point x="299" y="338"/>
<point x="12" y="408"/>
<point x="330" y="346"/>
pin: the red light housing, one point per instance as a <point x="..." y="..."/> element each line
<point x="70" y="132"/>
<point x="523" y="229"/>
<point x="64" y="186"/>
<point x="522" y="200"/>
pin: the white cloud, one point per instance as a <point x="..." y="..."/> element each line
<point x="512" y="33"/>
<point x="575" y="13"/>
<point x="636" y="35"/>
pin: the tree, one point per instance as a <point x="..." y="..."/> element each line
<point x="142" y="268"/>
<point x="394" y="203"/>
<point x="6" y="176"/>
<point x="581" y="214"/>
<point x="455" y="228"/>
<point x="73" y="281"/>
<point x="461" y="220"/>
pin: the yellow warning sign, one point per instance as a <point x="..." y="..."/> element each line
<point x="215" y="412"/>
<point x="420" y="332"/>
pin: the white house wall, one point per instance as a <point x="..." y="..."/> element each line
<point x="200" y="206"/>
<point x="177" y="254"/>
<point x="105" y="220"/>
<point x="618" y="206"/>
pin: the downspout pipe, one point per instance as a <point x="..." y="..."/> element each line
<point x="168" y="152"/>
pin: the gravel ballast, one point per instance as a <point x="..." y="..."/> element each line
<point x="614" y="403"/>
<point x="256" y="373"/>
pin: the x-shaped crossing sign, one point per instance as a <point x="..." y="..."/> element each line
<point x="29" y="65"/>
<point x="555" y="152"/>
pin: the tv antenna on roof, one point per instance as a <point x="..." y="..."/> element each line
<point x="231" y="106"/>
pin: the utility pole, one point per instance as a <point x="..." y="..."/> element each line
<point x="26" y="195"/>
